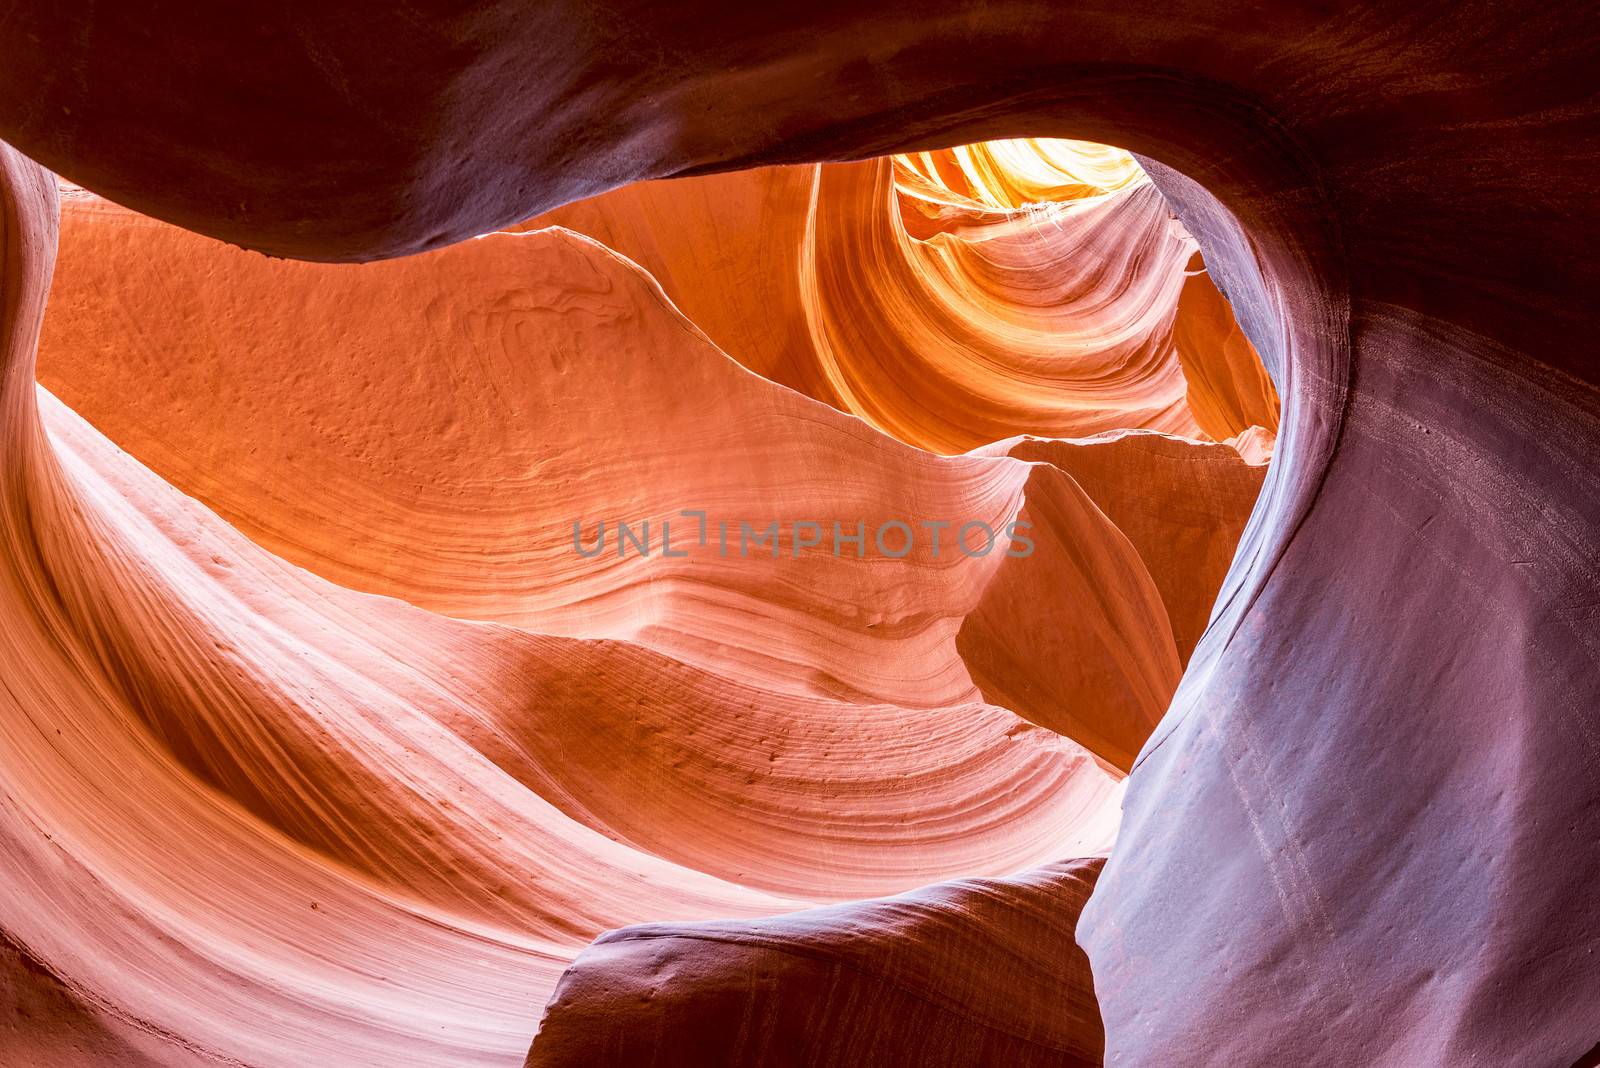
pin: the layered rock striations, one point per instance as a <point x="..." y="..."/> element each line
<point x="1357" y="835"/>
<point x="952" y="298"/>
<point x="404" y="676"/>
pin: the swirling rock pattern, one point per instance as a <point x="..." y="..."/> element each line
<point x="1359" y="834"/>
<point x="466" y="505"/>
<point x="504" y="746"/>
<point x="952" y="298"/>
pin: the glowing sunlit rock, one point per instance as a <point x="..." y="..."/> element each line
<point x="638" y="737"/>
<point x="250" y="814"/>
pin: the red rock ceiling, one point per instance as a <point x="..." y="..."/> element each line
<point x="320" y="744"/>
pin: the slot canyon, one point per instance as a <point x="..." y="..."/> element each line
<point x="964" y="534"/>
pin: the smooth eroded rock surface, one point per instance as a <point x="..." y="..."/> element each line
<point x="1362" y="833"/>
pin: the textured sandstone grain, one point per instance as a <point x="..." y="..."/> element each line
<point x="1361" y="834"/>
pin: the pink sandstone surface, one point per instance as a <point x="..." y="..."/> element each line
<point x="317" y="749"/>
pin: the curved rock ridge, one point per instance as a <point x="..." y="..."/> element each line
<point x="1054" y="319"/>
<point x="465" y="504"/>
<point x="1183" y="505"/>
<point x="353" y="828"/>
<point x="1358" y="835"/>
<point x="803" y="986"/>
<point x="229" y="839"/>
<point x="926" y="295"/>
<point x="592" y="740"/>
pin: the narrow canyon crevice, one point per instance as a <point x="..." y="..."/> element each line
<point x="324" y="582"/>
<point x="310" y="723"/>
